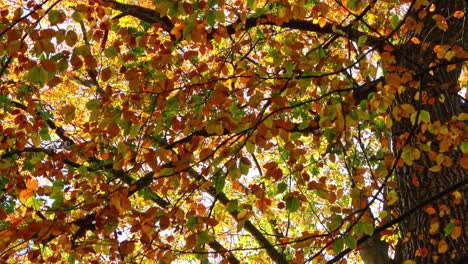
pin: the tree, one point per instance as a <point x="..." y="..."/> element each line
<point x="231" y="131"/>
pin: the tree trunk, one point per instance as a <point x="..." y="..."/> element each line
<point x="439" y="165"/>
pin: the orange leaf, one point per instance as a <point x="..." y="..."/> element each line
<point x="464" y="162"/>
<point x="442" y="247"/>
<point x="430" y="210"/>
<point x="456" y="232"/>
<point x="32" y="184"/>
<point x="322" y="22"/>
<point x="415" y="40"/>
<point x="458" y="14"/>
<point x="25" y="194"/>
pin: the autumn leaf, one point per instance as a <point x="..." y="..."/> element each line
<point x="248" y="131"/>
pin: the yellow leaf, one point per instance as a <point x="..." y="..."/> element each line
<point x="457" y="197"/>
<point x="442" y="247"/>
<point x="243" y="214"/>
<point x="407" y="109"/>
<point x="436" y="168"/>
<point x="409" y="261"/>
<point x="462" y="116"/>
<point x="434" y="228"/>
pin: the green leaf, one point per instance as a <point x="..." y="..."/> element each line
<point x="44" y="133"/>
<point x="77" y="17"/>
<point x="281" y="187"/>
<point x="212" y="3"/>
<point x="38" y="75"/>
<point x="188" y="29"/>
<point x="464" y="147"/>
<point x="54" y="16"/>
<point x="220" y="17"/>
<point x="210" y="17"/>
<point x="352" y="4"/>
<point x="394" y="21"/>
<point x="292" y="204"/>
<point x="251" y="4"/>
<point x="321" y="53"/>
<point x="244" y="168"/>
<point x="71" y="259"/>
<point x="191" y="223"/>
<point x="203" y="237"/>
<point x="335" y="222"/>
<point x="93" y="104"/>
<point x="33" y="203"/>
<point x="338" y="245"/>
<point x="362" y="40"/>
<point x="232" y="206"/>
<point x="448" y="229"/>
<point x="330" y="134"/>
<point x="110" y="52"/>
<point x="424" y="116"/>
<point x="368" y="228"/>
<point x="218" y="182"/>
<point x="350" y="242"/>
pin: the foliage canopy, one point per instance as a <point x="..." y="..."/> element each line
<point x="233" y="131"/>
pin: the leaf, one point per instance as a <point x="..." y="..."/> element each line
<point x="368" y="228"/>
<point x="442" y="247"/>
<point x="425" y="117"/>
<point x="281" y="187"/>
<point x="394" y="21"/>
<point x="322" y="22"/>
<point x="187" y="30"/>
<point x="219" y="181"/>
<point x="352" y="4"/>
<point x="350" y="242"/>
<point x="459" y="14"/>
<point x="54" y="16"/>
<point x="362" y="40"/>
<point x="338" y="245"/>
<point x="448" y="229"/>
<point x="203" y="237"/>
<point x="456" y="232"/>
<point x="37" y="75"/>
<point x="211" y="18"/>
<point x="93" y="104"/>
<point x="191" y="223"/>
<point x="292" y="204"/>
<point x="32" y="184"/>
<point x="251" y="4"/>
<point x="110" y="52"/>
<point x="33" y="203"/>
<point x="77" y="17"/>
<point x="68" y="112"/>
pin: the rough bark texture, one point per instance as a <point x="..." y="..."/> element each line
<point x="421" y="244"/>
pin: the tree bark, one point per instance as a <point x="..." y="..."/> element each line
<point x="423" y="238"/>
